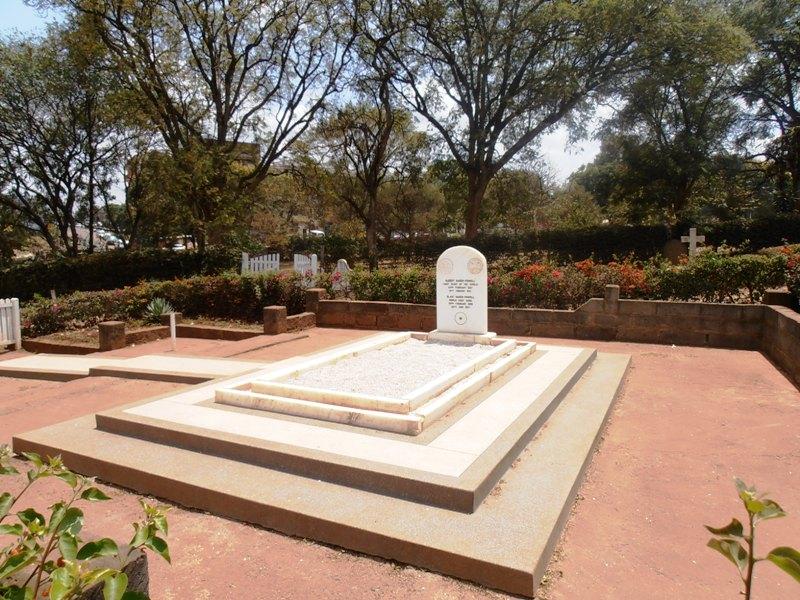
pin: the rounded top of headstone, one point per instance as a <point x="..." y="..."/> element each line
<point x="464" y="259"/>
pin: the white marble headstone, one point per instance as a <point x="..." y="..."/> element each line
<point x="461" y="298"/>
<point x="342" y="280"/>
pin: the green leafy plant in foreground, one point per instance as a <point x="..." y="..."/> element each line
<point x="47" y="558"/>
<point x="738" y="546"/>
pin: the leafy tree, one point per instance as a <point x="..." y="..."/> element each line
<point x="155" y="207"/>
<point x="678" y="116"/>
<point x="573" y="208"/>
<point x="230" y="86"/>
<point x="12" y="235"/>
<point x="515" y="200"/>
<point x="362" y="147"/>
<point x="54" y="149"/>
<point x="770" y="85"/>
<point x="491" y="76"/>
<point x="451" y="181"/>
<point x="412" y="206"/>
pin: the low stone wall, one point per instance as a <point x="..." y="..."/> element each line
<point x="41" y="346"/>
<point x="276" y="321"/>
<point x="146" y="334"/>
<point x="207" y="332"/>
<point x="304" y="320"/>
<point x="685" y="323"/>
<point x="781" y="340"/>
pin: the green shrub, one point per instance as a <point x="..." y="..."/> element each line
<point x="109" y="270"/>
<point x="157" y="308"/>
<point x="414" y="285"/>
<point x="226" y="296"/>
<point x="738" y="544"/>
<point x="793" y="273"/>
<point x="712" y="277"/>
<point x="708" y="277"/>
<point x="605" y="242"/>
<point x="46" y="558"/>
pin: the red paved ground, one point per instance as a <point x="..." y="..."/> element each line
<point x="688" y="420"/>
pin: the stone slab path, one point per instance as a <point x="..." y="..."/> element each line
<point x="54" y="366"/>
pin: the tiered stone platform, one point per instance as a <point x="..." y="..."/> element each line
<point x="409" y="411"/>
<point x="480" y="492"/>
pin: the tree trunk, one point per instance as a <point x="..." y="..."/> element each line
<point x="90" y="195"/>
<point x="794" y="164"/>
<point x="91" y="187"/>
<point x="476" y="189"/>
<point x="371" y="226"/>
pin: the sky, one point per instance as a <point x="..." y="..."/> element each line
<point x="562" y="156"/>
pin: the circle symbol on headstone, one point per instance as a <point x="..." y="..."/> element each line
<point x="445" y="266"/>
<point x="460" y="318"/>
<point x="475" y="265"/>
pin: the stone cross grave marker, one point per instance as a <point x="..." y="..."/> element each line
<point x="340" y="279"/>
<point x="461" y="298"/>
<point x="692" y="239"/>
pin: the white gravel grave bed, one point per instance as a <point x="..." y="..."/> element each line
<point x="393" y="370"/>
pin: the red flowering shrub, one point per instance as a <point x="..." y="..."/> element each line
<point x="631" y="278"/>
<point x="792" y="270"/>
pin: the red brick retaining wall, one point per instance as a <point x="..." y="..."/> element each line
<point x="775" y="330"/>
<point x="781" y="339"/>
<point x="33" y="345"/>
<point x="304" y="320"/>
<point x="685" y="323"/>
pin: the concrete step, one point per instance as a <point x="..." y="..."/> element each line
<point x="505" y="544"/>
<point x="465" y="460"/>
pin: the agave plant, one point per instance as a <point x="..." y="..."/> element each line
<point x="156" y="308"/>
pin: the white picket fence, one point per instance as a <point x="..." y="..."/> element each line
<point x="263" y="263"/>
<point x="305" y="265"/>
<point x="10" y="325"/>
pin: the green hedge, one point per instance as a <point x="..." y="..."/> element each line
<point x="226" y="296"/>
<point x="109" y="270"/>
<point x="712" y="277"/>
<point x="606" y="242"/>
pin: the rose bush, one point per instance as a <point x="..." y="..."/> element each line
<point x="793" y="271"/>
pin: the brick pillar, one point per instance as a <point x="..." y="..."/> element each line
<point x="112" y="335"/>
<point x="313" y="296"/>
<point x="164" y="319"/>
<point x="275" y="320"/>
<point x="611" y="299"/>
